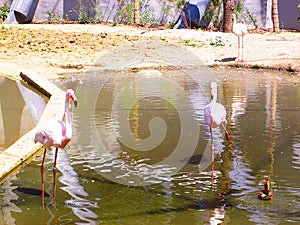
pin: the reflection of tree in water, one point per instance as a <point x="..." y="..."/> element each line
<point x="12" y="104"/>
<point x="271" y="106"/>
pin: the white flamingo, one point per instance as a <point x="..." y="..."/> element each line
<point x="215" y="115"/>
<point x="240" y="30"/>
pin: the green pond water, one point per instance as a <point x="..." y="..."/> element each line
<point x="141" y="153"/>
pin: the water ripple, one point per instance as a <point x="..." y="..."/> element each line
<point x="296" y="151"/>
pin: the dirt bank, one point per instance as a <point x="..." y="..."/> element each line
<point x="56" y="51"/>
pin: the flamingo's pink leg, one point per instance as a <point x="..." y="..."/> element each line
<point x="242" y="49"/>
<point x="42" y="174"/>
<point x="239" y="49"/>
<point x="212" y="157"/>
<point x="212" y="147"/>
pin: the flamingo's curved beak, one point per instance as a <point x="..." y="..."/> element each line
<point x="75" y="103"/>
<point x="74" y="99"/>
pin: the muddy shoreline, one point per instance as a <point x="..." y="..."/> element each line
<point x="56" y="51"/>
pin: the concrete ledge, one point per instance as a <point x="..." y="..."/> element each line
<point x="24" y="149"/>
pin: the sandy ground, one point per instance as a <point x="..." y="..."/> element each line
<point x="56" y="51"/>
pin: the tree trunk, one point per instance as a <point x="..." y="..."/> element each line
<point x="229" y="7"/>
<point x="137" y="12"/>
<point x="275" y="18"/>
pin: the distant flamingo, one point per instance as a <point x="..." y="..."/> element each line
<point x="56" y="134"/>
<point x="215" y="115"/>
<point x="240" y="30"/>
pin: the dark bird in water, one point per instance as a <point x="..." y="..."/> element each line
<point x="266" y="194"/>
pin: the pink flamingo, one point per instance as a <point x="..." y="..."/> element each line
<point x="240" y="30"/>
<point x="58" y="134"/>
<point x="215" y="115"/>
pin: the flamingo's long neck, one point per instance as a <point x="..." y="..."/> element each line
<point x="233" y="23"/>
<point x="68" y="119"/>
<point x="214" y="95"/>
<point x="234" y="27"/>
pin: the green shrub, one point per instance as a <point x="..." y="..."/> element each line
<point x="53" y="17"/>
<point x="126" y="13"/>
<point x="83" y="12"/>
<point x="4" y="10"/>
<point x="147" y="17"/>
<point x="299" y="13"/>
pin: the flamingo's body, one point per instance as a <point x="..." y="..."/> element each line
<point x="56" y="134"/>
<point x="240" y="30"/>
<point x="266" y="194"/>
<point x="215" y="115"/>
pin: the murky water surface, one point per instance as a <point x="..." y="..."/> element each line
<point x="140" y="153"/>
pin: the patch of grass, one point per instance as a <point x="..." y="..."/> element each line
<point x="193" y="43"/>
<point x="218" y="41"/>
<point x="4" y="28"/>
<point x="22" y="29"/>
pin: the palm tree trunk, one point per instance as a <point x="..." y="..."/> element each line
<point x="137" y="12"/>
<point x="275" y="18"/>
<point x="229" y="7"/>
